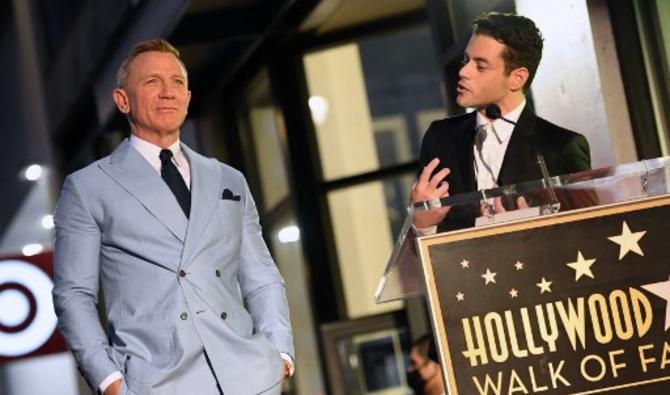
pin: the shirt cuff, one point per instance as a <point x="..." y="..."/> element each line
<point x="109" y="380"/>
<point x="429" y="231"/>
<point x="289" y="359"/>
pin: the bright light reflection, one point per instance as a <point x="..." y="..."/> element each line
<point x="32" y="249"/>
<point x="14" y="307"/>
<point x="318" y="106"/>
<point x="48" y="221"/>
<point x="289" y="234"/>
<point x="33" y="172"/>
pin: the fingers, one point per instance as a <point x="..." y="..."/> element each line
<point x="428" y="170"/>
<point x="427" y="187"/>
<point x="435" y="181"/>
<point x="439" y="176"/>
<point x="521" y="202"/>
<point x="497" y="204"/>
<point x="443" y="189"/>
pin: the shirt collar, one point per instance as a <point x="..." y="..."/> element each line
<point x="151" y="153"/>
<point x="151" y="150"/>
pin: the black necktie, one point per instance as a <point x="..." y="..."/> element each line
<point x="175" y="181"/>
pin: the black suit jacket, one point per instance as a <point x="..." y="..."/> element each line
<point x="451" y="140"/>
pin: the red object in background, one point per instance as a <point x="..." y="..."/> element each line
<point x="8" y="282"/>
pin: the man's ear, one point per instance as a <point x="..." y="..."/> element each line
<point x="517" y="78"/>
<point x="120" y="97"/>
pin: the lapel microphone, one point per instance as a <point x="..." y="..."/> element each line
<point x="493" y="112"/>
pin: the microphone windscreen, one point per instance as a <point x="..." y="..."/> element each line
<point x="493" y="111"/>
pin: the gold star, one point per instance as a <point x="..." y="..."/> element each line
<point x="465" y="263"/>
<point x="489" y="276"/>
<point x="582" y="266"/>
<point x="545" y="286"/>
<point x="460" y="296"/>
<point x="513" y="293"/>
<point x="518" y="265"/>
<point x="661" y="290"/>
<point x="628" y="241"/>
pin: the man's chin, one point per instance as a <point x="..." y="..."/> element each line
<point x="463" y="102"/>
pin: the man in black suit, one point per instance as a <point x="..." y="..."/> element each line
<point x="471" y="152"/>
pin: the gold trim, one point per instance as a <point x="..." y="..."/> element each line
<point x="438" y="325"/>
<point x="618" y="387"/>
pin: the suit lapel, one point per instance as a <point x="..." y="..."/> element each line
<point x="205" y="193"/>
<point x="130" y="170"/>
<point x="466" y="140"/>
<point x="518" y="155"/>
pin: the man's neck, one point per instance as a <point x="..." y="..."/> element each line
<point x="162" y="140"/>
<point x="434" y="387"/>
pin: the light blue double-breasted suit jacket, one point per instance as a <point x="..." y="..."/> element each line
<point x="172" y="286"/>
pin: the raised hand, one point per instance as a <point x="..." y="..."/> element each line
<point x="428" y="188"/>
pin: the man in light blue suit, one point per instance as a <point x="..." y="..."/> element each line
<point x="194" y="303"/>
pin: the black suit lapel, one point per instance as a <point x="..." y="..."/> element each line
<point x="465" y="142"/>
<point x="518" y="163"/>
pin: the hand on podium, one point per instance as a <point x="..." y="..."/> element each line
<point x="495" y="206"/>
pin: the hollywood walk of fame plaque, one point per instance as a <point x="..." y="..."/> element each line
<point x="571" y="303"/>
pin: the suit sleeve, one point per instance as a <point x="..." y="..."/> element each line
<point x="261" y="284"/>
<point x="576" y="155"/>
<point x="75" y="292"/>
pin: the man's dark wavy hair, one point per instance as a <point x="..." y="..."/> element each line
<point x="522" y="39"/>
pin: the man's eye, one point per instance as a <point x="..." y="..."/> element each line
<point x="150" y="81"/>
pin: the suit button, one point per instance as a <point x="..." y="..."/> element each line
<point x="183" y="316"/>
<point x="218" y="273"/>
<point x="182" y="273"/>
<point x="224" y="315"/>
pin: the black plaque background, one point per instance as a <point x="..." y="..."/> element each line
<point x="545" y="251"/>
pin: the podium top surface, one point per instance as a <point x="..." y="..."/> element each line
<point x="403" y="275"/>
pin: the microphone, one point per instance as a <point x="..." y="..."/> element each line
<point x="493" y="112"/>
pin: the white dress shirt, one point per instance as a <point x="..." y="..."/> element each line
<point x="490" y="152"/>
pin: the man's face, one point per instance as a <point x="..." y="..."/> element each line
<point x="155" y="95"/>
<point x="482" y="77"/>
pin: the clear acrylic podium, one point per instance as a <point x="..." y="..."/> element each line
<point x="403" y="276"/>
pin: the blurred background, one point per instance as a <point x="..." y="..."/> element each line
<point x="322" y="104"/>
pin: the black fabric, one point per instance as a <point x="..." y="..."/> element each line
<point x="432" y="350"/>
<point x="175" y="181"/>
<point x="451" y="140"/>
<point x="416" y="382"/>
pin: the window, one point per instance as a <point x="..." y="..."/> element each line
<point x="371" y="101"/>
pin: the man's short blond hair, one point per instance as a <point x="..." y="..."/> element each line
<point x="155" y="45"/>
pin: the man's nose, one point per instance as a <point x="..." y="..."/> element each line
<point x="462" y="72"/>
<point x="167" y="91"/>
